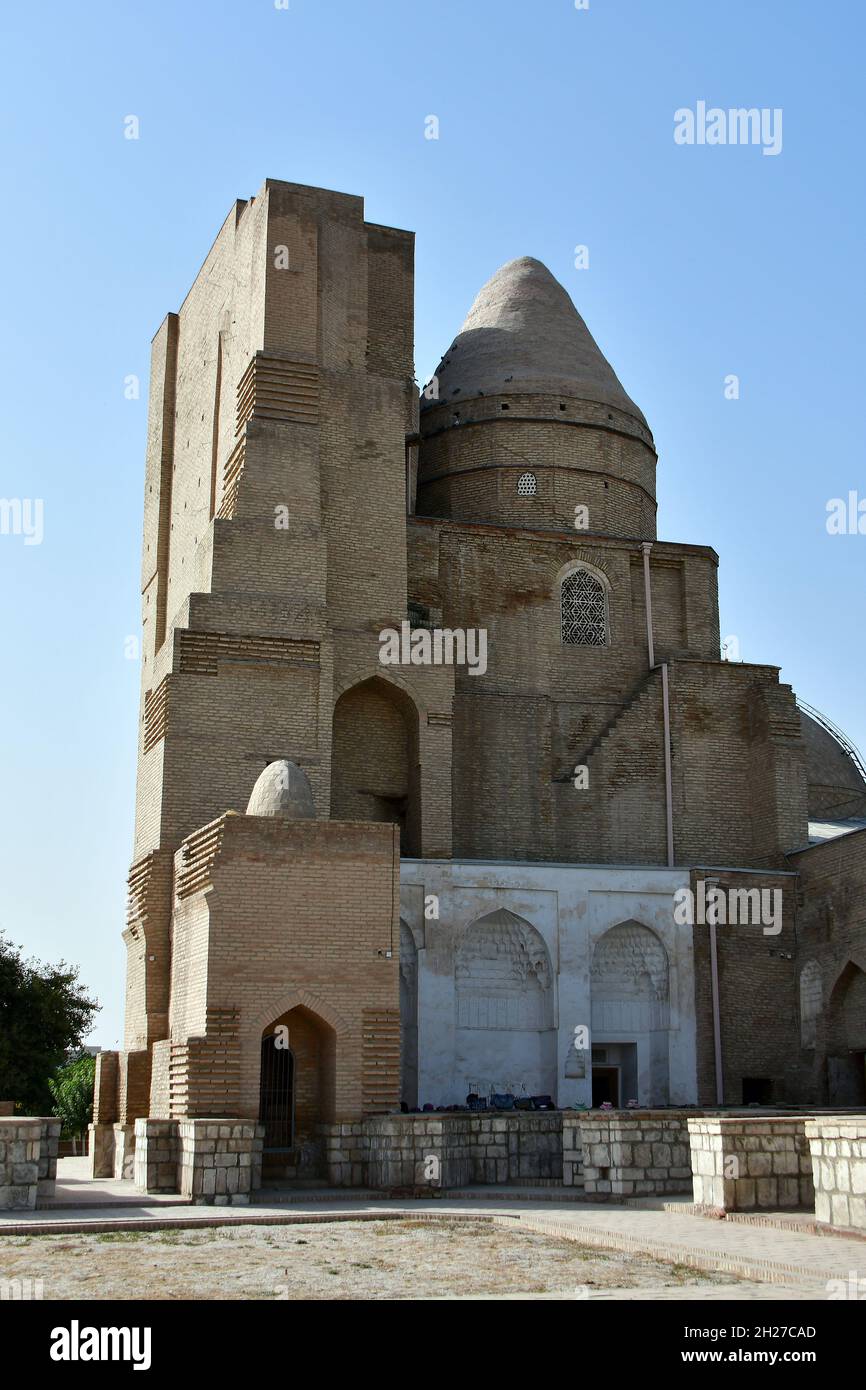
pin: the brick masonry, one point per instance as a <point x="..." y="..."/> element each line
<point x="297" y="501"/>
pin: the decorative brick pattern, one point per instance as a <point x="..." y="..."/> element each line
<point x="278" y="389"/>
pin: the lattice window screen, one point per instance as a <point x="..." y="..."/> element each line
<point x="584" y="610"/>
<point x="527" y="485"/>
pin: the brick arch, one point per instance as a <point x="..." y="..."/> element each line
<point x="294" y="999"/>
<point x="251" y="1037"/>
<point x="630" y="978"/>
<point x="845" y="1029"/>
<point x="388" y="676"/>
<point x="375" y="758"/>
<point x="581" y="562"/>
<point x="502" y="965"/>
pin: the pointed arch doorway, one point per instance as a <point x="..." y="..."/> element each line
<point x="296" y="1093"/>
<point x="277" y="1092"/>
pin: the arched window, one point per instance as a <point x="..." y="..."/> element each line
<point x="584" y="609"/>
<point x="527" y="485"/>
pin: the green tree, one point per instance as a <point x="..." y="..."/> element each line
<point x="45" y="1014"/>
<point x="72" y="1089"/>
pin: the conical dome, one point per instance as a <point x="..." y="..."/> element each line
<point x="283" y="790"/>
<point x="524" y="335"/>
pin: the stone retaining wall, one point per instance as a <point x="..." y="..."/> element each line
<point x="20" y="1144"/>
<point x="438" y="1150"/>
<point x="49" y="1145"/>
<point x="742" y="1163"/>
<point x="838" y="1156"/>
<point x="214" y="1161"/>
<point x="155" y="1160"/>
<point x="628" y="1153"/>
<point x="220" y="1160"/>
<point x="28" y="1159"/>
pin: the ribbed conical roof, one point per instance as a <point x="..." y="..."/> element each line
<point x="523" y="334"/>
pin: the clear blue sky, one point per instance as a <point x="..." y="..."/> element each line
<point x="556" y="129"/>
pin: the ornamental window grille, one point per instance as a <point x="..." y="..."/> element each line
<point x="527" y="485"/>
<point x="584" y="610"/>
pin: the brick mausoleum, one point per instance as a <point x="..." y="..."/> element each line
<point x="357" y="885"/>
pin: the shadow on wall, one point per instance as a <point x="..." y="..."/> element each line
<point x="374" y="760"/>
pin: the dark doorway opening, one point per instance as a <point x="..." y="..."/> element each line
<point x="605" y="1085"/>
<point x="847" y="1079"/>
<point x="757" y="1090"/>
<point x="277" y="1092"/>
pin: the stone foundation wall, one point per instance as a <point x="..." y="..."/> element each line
<point x="838" y="1155"/>
<point x="212" y="1161"/>
<point x="742" y="1163"/>
<point x="123" y="1156"/>
<point x="20" y="1145"/>
<point x="155" y="1163"/>
<point x="436" y="1150"/>
<point x="572" y="1151"/>
<point x="28" y="1159"/>
<point x="629" y="1153"/>
<point x="49" y="1144"/>
<point x="220" y="1161"/>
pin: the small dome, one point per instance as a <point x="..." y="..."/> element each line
<point x="283" y="790"/>
<point x="524" y="335"/>
<point x="836" y="788"/>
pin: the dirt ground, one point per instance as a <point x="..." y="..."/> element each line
<point x="342" y="1260"/>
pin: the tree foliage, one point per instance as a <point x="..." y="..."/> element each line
<point x="72" y="1089"/>
<point x="45" y="1014"/>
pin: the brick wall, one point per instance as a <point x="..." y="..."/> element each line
<point x="278" y="915"/>
<point x="831" y="918"/>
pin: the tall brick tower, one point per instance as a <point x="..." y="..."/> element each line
<point x="283" y="415"/>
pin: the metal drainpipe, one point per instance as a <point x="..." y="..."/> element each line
<point x="669" y="800"/>
<point x="717" y="1024"/>
<point x="647" y="546"/>
<point x="666" y="706"/>
<point x="648" y="602"/>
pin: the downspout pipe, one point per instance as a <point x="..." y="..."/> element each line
<point x="717" y="1026"/>
<point x="648" y="602"/>
<point x="666" y="703"/>
<point x="646" y="546"/>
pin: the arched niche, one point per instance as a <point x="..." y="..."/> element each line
<point x="374" y="759"/>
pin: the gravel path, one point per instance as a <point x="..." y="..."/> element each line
<point x="349" y="1260"/>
